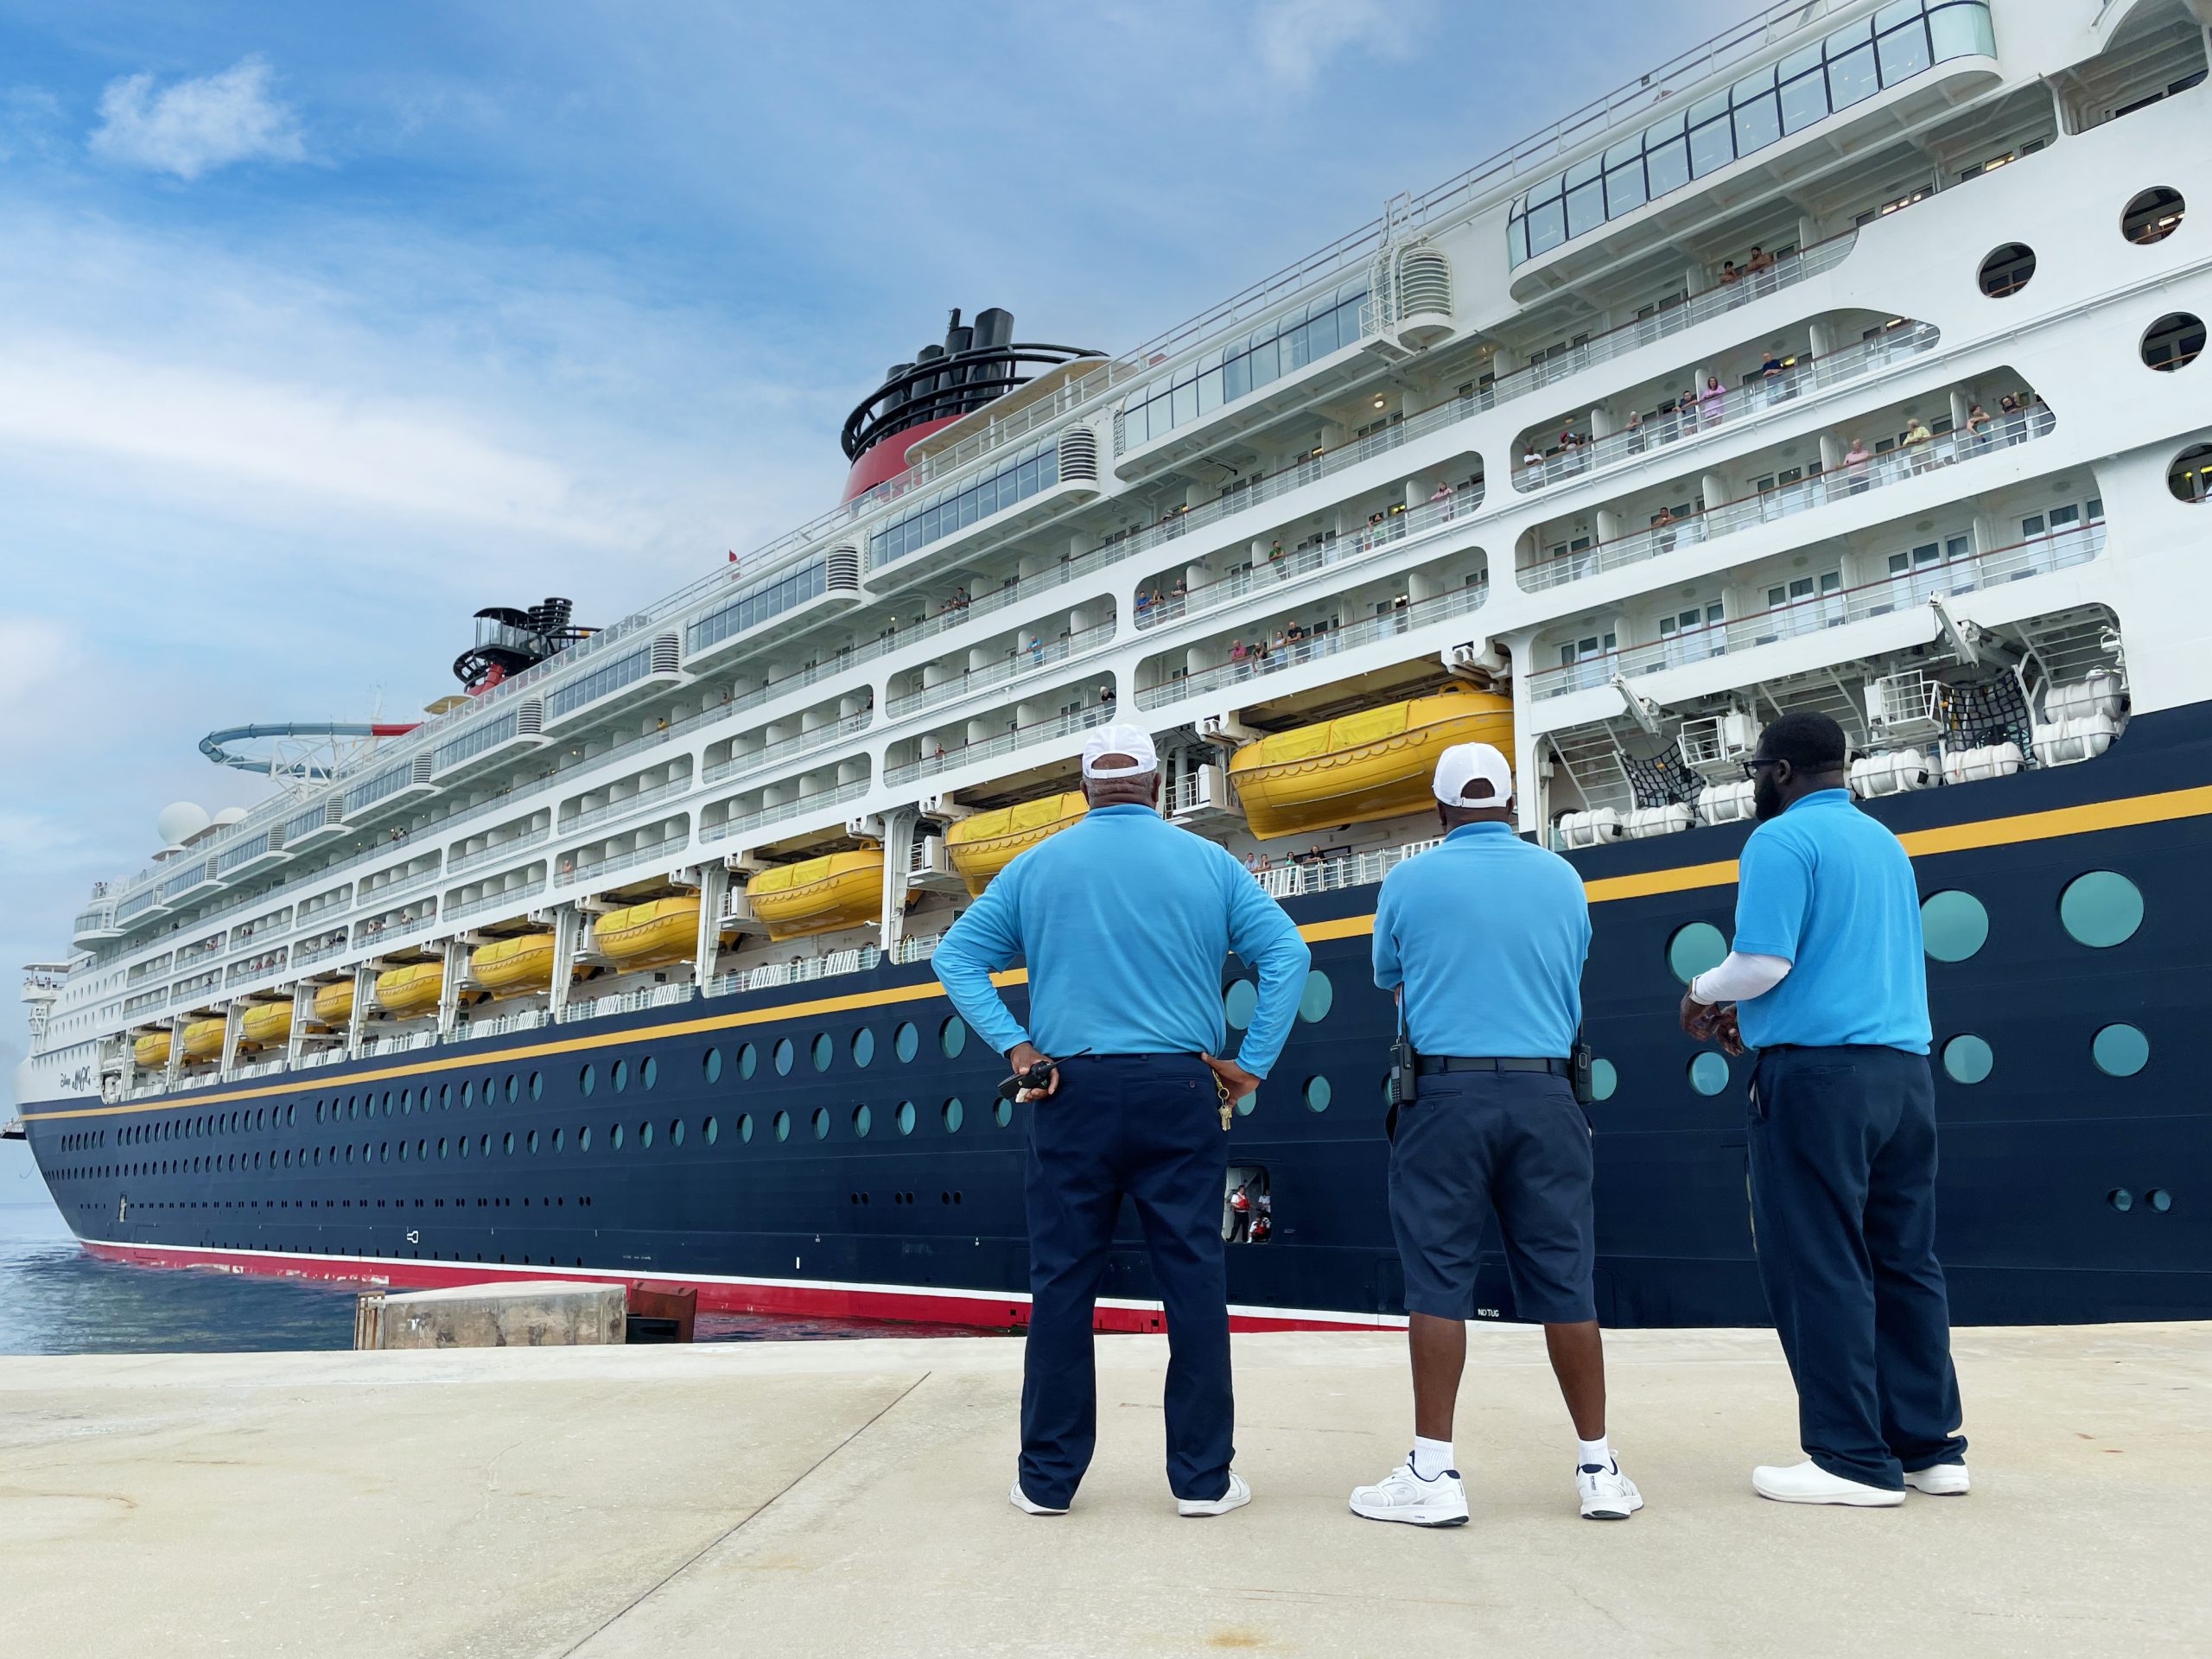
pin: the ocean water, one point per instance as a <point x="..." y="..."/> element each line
<point x="56" y="1299"/>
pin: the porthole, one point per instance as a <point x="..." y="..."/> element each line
<point x="445" y="1094"/>
<point x="406" y="1097"/>
<point x="1317" y="1094"/>
<point x="614" y="1138"/>
<point x="783" y="1054"/>
<point x="823" y="1050"/>
<point x="619" y="1075"/>
<point x="1239" y="1003"/>
<point x="2174" y="341"/>
<point x="2100" y="909"/>
<point x="1248" y="1104"/>
<point x="744" y="1127"/>
<point x="954" y="1114"/>
<point x="537" y="1086"/>
<point x="2190" y="477"/>
<point x="864" y="1120"/>
<point x="2152" y="215"/>
<point x="514" y="1088"/>
<point x="1602" y="1080"/>
<point x="952" y="1036"/>
<point x="821" y="1122"/>
<point x="648" y="1071"/>
<point x="530" y="1143"/>
<point x="507" y="1143"/>
<point x="906" y="1118"/>
<point x="1968" y="1058"/>
<point x="587" y="1080"/>
<point x="2121" y="1051"/>
<point x="710" y="1065"/>
<point x="2007" y="269"/>
<point x="1708" y="1073"/>
<point x="905" y="1041"/>
<point x="1694" y="948"/>
<point x="713" y="1129"/>
<point x="1318" y="997"/>
<point x="1001" y="1111"/>
<point x="2159" y="1199"/>
<point x="644" y="1136"/>
<point x="468" y="1093"/>
<point x="674" y="1131"/>
<point x="863" y="1046"/>
<point x="2120" y="1200"/>
<point x="1953" y="925"/>
<point x="583" y="1138"/>
<point x="748" y="1060"/>
<point x="560" y="1140"/>
<point x="441" y="1149"/>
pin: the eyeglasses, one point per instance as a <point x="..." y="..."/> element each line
<point x="1758" y="764"/>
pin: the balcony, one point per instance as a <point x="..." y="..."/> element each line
<point x="783" y="748"/>
<point x="1334" y="874"/>
<point x="498" y="850"/>
<point x="1350" y="637"/>
<point x="1746" y="511"/>
<point x="1750" y="405"/>
<point x="505" y="899"/>
<point x="1024" y="660"/>
<point x="1005" y="743"/>
<point x="612" y="812"/>
<point x="1971" y="572"/>
<point x="783" y="811"/>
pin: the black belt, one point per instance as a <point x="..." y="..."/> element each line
<point x="1429" y="1065"/>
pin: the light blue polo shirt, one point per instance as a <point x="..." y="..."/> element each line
<point x="1487" y="934"/>
<point x="1831" y="892"/>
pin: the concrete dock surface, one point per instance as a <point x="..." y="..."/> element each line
<point x="850" y="1498"/>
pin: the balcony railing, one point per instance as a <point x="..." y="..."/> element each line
<point x="1748" y="405"/>
<point x="611" y="810"/>
<point x="1330" y="874"/>
<point x="1005" y="743"/>
<point x="1879" y="471"/>
<point x="1022" y="660"/>
<point x="856" y="960"/>
<point x="1297" y="654"/>
<point x="820" y="799"/>
<point x="505" y="898"/>
<point x="498" y="850"/>
<point x="2076" y="544"/>
<point x="783" y="748"/>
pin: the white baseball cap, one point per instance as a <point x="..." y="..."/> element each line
<point x="1466" y="763"/>
<point x="1132" y="741"/>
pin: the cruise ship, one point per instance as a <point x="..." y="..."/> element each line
<point x="1849" y="361"/>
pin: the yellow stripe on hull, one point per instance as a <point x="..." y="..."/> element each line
<point x="1361" y="767"/>
<point x="982" y="845"/>
<point x="819" y="895"/>
<point x="513" y="967"/>
<point x="412" y="990"/>
<point x="648" y="935"/>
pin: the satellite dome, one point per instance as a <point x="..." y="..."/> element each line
<point x="231" y="815"/>
<point x="180" y="821"/>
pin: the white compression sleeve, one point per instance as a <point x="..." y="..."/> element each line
<point x="1739" y="979"/>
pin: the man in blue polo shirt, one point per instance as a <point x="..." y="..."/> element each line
<point x="1124" y="921"/>
<point x="1827" y="980"/>
<point x="1483" y="939"/>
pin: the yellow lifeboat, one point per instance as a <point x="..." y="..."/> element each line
<point x="203" y="1039"/>
<point x="333" y="1003"/>
<point x="647" y="935"/>
<point x="818" y="895"/>
<point x="1375" y="764"/>
<point x="265" y="1023"/>
<point x="152" y="1049"/>
<point x="513" y="967"/>
<point x="412" y="989"/>
<point x="982" y="845"/>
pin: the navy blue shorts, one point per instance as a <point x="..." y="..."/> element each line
<point x="1512" y="1143"/>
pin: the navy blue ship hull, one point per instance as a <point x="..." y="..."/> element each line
<point x="2067" y="1194"/>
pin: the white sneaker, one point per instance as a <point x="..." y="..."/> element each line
<point x="1940" y="1480"/>
<point x="1607" y="1494"/>
<point x="1808" y="1483"/>
<point x="1403" y="1495"/>
<point x="1022" y="1501"/>
<point x="1235" y="1498"/>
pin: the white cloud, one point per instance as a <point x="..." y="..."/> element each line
<point x="195" y="126"/>
<point x="1298" y="38"/>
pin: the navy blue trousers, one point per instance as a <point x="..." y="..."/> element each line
<point x="1843" y="1207"/>
<point x="1146" y="1126"/>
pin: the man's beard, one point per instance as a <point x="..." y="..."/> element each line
<point x="1766" y="797"/>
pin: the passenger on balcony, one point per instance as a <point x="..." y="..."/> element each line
<point x="1856" y="460"/>
<point x="1770" y="372"/>
<point x="1729" y="273"/>
<point x="1826" y="979"/>
<point x="1483" y="939"/>
<point x="1978" y="425"/>
<point x="1124" y="922"/>
<point x="1442" y="497"/>
<point x="1710" y="400"/>
<point x="1760" y="260"/>
<point x="1634" y="431"/>
<point x="1662" y="534"/>
<point x="1916" y="432"/>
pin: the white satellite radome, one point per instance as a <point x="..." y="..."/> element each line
<point x="229" y="815"/>
<point x="180" y="822"/>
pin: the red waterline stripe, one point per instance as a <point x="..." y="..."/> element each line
<point x="976" y="1309"/>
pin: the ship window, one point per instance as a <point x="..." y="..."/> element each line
<point x="905" y="1040"/>
<point x="2120" y="1200"/>
<point x="1708" y="1073"/>
<point x="1953" y="925"/>
<point x="1001" y="1111"/>
<point x="952" y="1037"/>
<point x="2152" y="216"/>
<point x="863" y="1046"/>
<point x="2102" y="908"/>
<point x="954" y="1114"/>
<point x="1239" y="1003"/>
<point x="783" y="1054"/>
<point x="864" y="1120"/>
<point x="710" y="1065"/>
<point x="1968" y="1058"/>
<point x="614" y="1138"/>
<point x="468" y="1093"/>
<point x="2159" y="1199"/>
<point x="644" y="1136"/>
<point x="1317" y="999"/>
<point x="748" y="1061"/>
<point x="587" y="1080"/>
<point x="560" y="1140"/>
<point x="441" y="1149"/>
<point x="507" y="1143"/>
<point x="619" y="1075"/>
<point x="1317" y="1094"/>
<point x="514" y="1088"/>
<point x="745" y="1126"/>
<point x="1604" y="1079"/>
<point x="530" y="1143"/>
<point x="675" y="1133"/>
<point x="821" y="1122"/>
<point x="583" y="1139"/>
<point x="2007" y="270"/>
<point x="2174" y="341"/>
<point x="648" y="1071"/>
<point x="2121" y="1051"/>
<point x="445" y="1094"/>
<point x="713" y="1129"/>
<point x="823" y="1050"/>
<point x="2189" y="478"/>
<point x="1694" y="948"/>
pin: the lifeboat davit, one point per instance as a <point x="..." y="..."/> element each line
<point x="981" y="845"/>
<point x="1356" y="768"/>
<point x="265" y="1023"/>
<point x="152" y="1049"/>
<point x="819" y="895"/>
<point x="333" y="1003"/>
<point x="513" y="967"/>
<point x="645" y="936"/>
<point x="203" y="1039"/>
<point x="412" y="989"/>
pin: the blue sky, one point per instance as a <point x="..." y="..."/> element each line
<point x="322" y="326"/>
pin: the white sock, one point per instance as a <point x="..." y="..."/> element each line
<point x="1429" y="1459"/>
<point x="1599" y="1453"/>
